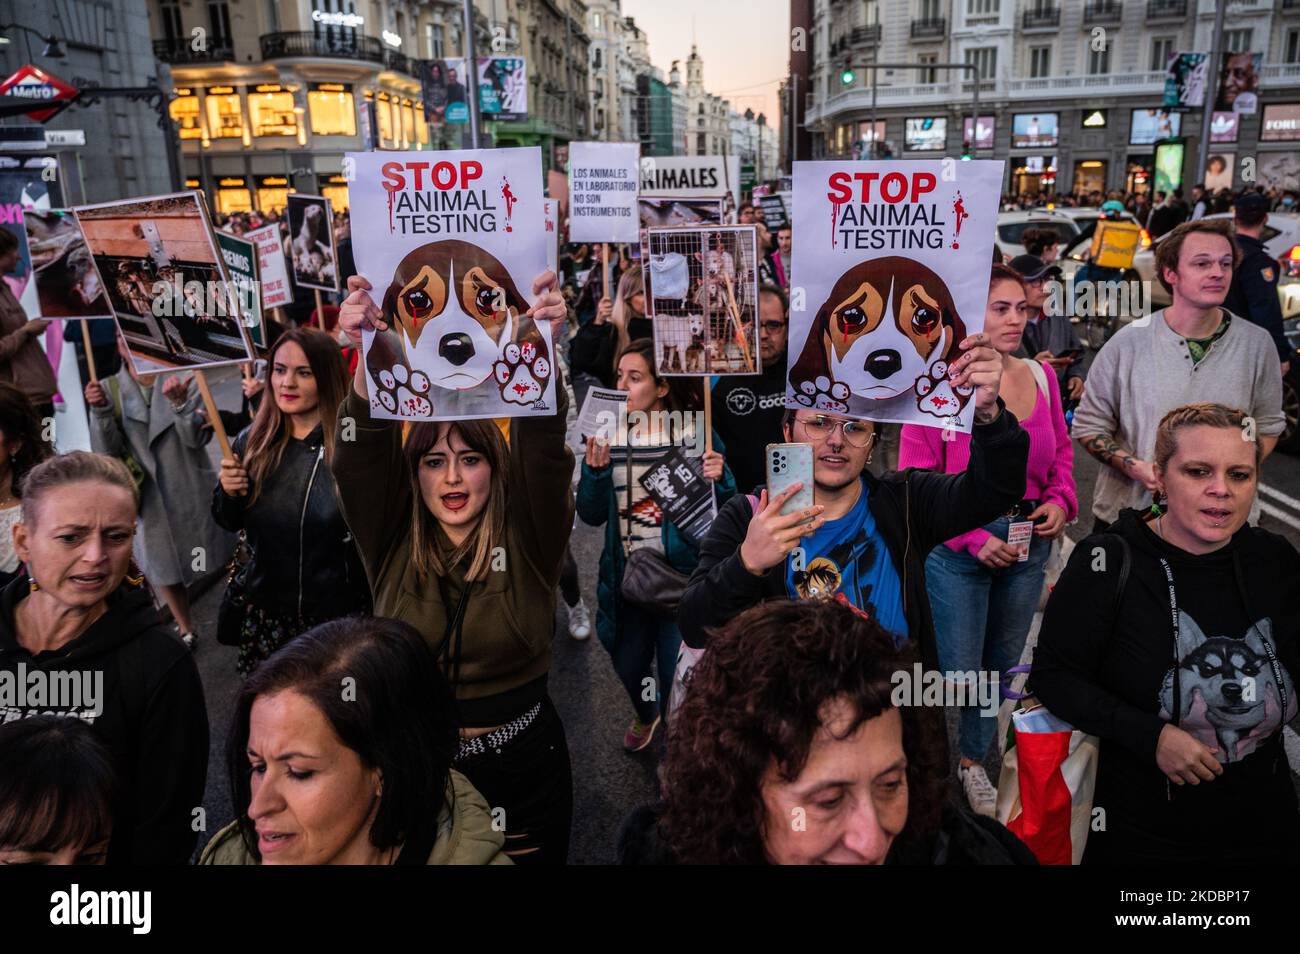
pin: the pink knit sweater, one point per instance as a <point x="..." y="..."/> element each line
<point x="1049" y="477"/>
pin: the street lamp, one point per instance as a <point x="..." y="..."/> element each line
<point x="53" y="48"/>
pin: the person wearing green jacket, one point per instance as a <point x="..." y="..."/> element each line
<point x="611" y="492"/>
<point x="340" y="753"/>
<point x="464" y="538"/>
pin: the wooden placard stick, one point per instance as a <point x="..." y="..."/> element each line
<point x="214" y="418"/>
<point x="320" y="310"/>
<point x="90" y="352"/>
<point x="735" y="314"/>
<point x="604" y="265"/>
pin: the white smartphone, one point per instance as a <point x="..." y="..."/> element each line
<point x="790" y="464"/>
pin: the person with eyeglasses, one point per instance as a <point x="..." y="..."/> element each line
<point x="864" y="540"/>
<point x="748" y="410"/>
<point x="1049" y="336"/>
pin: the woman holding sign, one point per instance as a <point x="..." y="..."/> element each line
<point x="279" y="492"/>
<point x="620" y="489"/>
<point x="464" y="537"/>
<point x="984" y="585"/>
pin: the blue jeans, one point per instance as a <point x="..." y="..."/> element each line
<point x="982" y="618"/>
<point x="641" y="638"/>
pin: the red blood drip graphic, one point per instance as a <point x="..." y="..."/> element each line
<point x="835" y="218"/>
<point x="960" y="214"/>
<point x="510" y="201"/>
<point x="390" y="190"/>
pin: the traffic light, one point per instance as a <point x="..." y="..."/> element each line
<point x="966" y="155"/>
<point x="846" y="77"/>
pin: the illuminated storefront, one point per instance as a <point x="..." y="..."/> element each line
<point x="185" y="114"/>
<point x="270" y="111"/>
<point x="225" y="114"/>
<point x="334" y="188"/>
<point x="233" y="195"/>
<point x="331" y="110"/>
<point x="272" y="193"/>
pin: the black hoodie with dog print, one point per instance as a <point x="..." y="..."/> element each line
<point x="1107" y="667"/>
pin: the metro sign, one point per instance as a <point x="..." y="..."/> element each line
<point x="33" y="83"/>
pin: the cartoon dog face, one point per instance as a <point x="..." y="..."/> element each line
<point x="884" y="324"/>
<point x="461" y="319"/>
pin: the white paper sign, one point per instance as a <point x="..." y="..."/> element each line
<point x="602" y="414"/>
<point x="603" y="187"/>
<point x="893" y="260"/>
<point x="276" y="292"/>
<point x="692" y="176"/>
<point x="452" y="243"/>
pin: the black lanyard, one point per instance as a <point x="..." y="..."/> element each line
<point x="455" y="626"/>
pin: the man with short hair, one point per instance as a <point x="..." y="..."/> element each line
<point x="1049" y="337"/>
<point x="748" y="409"/>
<point x="1198" y="202"/>
<point x="1253" y="294"/>
<point x="745" y="215"/>
<point x="1192" y="351"/>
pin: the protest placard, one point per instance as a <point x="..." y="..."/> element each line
<point x="893" y="264"/>
<point x="276" y="292"/>
<point x="602" y="413"/>
<point x="166" y="281"/>
<point x="691" y="177"/>
<point x="68" y="285"/>
<point x="701" y="292"/>
<point x="241" y="261"/>
<point x="453" y="243"/>
<point x="603" y="187"/>
<point x="678" y="485"/>
<point x="311" y="242"/>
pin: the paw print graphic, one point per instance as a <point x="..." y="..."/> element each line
<point x="521" y="373"/>
<point x="823" y="394"/>
<point x="401" y="390"/>
<point x="936" y="395"/>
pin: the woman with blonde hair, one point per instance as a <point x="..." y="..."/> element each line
<point x="1174" y="636"/>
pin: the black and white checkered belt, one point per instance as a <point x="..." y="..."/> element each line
<point x="497" y="737"/>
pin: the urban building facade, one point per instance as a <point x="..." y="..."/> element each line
<point x="1070" y="94"/>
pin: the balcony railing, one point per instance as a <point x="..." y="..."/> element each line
<point x="1102" y="11"/>
<point x="180" y="50"/>
<point x="866" y="34"/>
<point x="1291" y="4"/>
<point x="334" y="44"/>
<point x="1042" y="17"/>
<point x="1166" y="9"/>
<point x="937" y="27"/>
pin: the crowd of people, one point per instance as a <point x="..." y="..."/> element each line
<point x="392" y="592"/>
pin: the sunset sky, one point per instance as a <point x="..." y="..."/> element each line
<point x="743" y="44"/>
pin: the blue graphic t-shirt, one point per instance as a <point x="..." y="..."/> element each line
<point x="847" y="556"/>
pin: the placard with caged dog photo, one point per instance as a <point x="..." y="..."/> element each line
<point x="701" y="289"/>
<point x="166" y="281"/>
<point x="311" y="242"/>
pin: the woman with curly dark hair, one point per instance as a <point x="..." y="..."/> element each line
<point x="789" y="749"/>
<point x="22" y="447"/>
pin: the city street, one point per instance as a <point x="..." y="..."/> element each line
<point x="608" y="782"/>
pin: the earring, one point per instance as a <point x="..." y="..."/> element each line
<point x="33" y="586"/>
<point x="1157" y="503"/>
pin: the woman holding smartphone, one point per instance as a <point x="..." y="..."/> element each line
<point x="983" y="588"/>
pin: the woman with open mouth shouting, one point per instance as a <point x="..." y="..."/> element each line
<point x="464" y="538"/>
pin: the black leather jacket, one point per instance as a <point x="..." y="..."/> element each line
<point x="304" y="561"/>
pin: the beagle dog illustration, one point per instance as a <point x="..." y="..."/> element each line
<point x="455" y="318"/>
<point x="888" y="328"/>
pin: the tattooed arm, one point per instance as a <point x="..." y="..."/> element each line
<point x="1109" y="451"/>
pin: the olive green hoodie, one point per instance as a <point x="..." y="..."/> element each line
<point x="465" y="834"/>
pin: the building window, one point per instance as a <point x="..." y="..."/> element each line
<point x="408" y="123"/>
<point x="421" y="126"/>
<point x="1237" y="41"/>
<point x="331" y="110"/>
<point x="225" y="117"/>
<point x="383" y="118"/>
<point x="272" y="193"/>
<point x="437" y="41"/>
<point x="233" y="195"/>
<point x="1040" y="61"/>
<point x="185" y="114"/>
<point x="595" y="57"/>
<point x="985" y="59"/>
<point x="170" y="10"/>
<point x="1099" y="61"/>
<point x="702" y="145"/>
<point x="927" y="73"/>
<point x="397" y="122"/>
<point x="595" y="22"/>
<point x="270" y="112"/>
<point x="930" y="10"/>
<point x="219" y="19"/>
<point x="982" y="8"/>
<point x="1161" y="49"/>
<point x="1292" y="48"/>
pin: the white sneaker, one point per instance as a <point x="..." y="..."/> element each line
<point x="980" y="793"/>
<point x="579" y="620"/>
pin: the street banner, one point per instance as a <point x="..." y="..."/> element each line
<point x="241" y="261"/>
<point x="677" y="483"/>
<point x="503" y="88"/>
<point x="276" y="292"/>
<point x="691" y="177"/>
<point x="311" y="242"/>
<point x="774" y="211"/>
<point x="453" y="242"/>
<point x="166" y="281"/>
<point x="26" y="182"/>
<point x="701" y="292"/>
<point x="552" y="235"/>
<point x="603" y="187"/>
<point x="1239" y="82"/>
<point x="68" y="285"/>
<point x="1186" y="78"/>
<point x="893" y="263"/>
